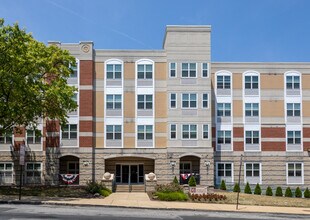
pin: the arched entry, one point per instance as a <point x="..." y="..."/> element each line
<point x="69" y="170"/>
<point x="189" y="166"/>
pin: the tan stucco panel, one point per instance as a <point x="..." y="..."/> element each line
<point x="160" y="71"/>
<point x="161" y="104"/>
<point x="129" y="71"/>
<point x="238" y="108"/>
<point x="160" y="142"/>
<point x="99" y="142"/>
<point x="129" y="105"/>
<point x="237" y="81"/>
<point x="306" y="108"/>
<point x="100" y="104"/>
<point x="271" y="81"/>
<point x="129" y="127"/>
<point x="99" y="127"/>
<point x="99" y="68"/>
<point x="272" y="108"/>
<point x="129" y="142"/>
<point x="305" y="81"/>
<point x="161" y="127"/>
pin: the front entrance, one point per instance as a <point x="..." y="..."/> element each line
<point x="129" y="174"/>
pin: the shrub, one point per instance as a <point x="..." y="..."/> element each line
<point x="94" y="187"/>
<point x="223" y="185"/>
<point x="269" y="191"/>
<point x="298" y="193"/>
<point x="175" y="180"/>
<point x="209" y="197"/>
<point x="105" y="192"/>
<point x="166" y="188"/>
<point x="279" y="191"/>
<point x="288" y="192"/>
<point x="307" y="193"/>
<point x="237" y="188"/>
<point x="247" y="189"/>
<point x="192" y="181"/>
<point x="171" y="196"/>
<point x="257" y="190"/>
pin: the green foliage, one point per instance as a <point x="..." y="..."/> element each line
<point x="257" y="190"/>
<point x="192" y="181"/>
<point x="223" y="185"/>
<point x="33" y="80"/>
<point x="171" y="196"/>
<point x="105" y="192"/>
<point x="298" y="193"/>
<point x="175" y="180"/>
<point x="279" y="191"/>
<point x="269" y="191"/>
<point x="94" y="187"/>
<point x="171" y="187"/>
<point x="208" y="197"/>
<point x="288" y="192"/>
<point x="307" y="193"/>
<point x="247" y="189"/>
<point x="236" y="188"/>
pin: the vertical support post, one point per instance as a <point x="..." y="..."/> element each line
<point x="20" y="182"/>
<point x="239" y="182"/>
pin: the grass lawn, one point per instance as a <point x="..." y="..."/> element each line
<point x="45" y="191"/>
<point x="247" y="199"/>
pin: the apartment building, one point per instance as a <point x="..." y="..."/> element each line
<point x="175" y="113"/>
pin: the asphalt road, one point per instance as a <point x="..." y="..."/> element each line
<point x="10" y="211"/>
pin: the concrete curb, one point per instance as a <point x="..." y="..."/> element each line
<point x="21" y="202"/>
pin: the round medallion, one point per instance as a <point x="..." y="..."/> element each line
<point x="85" y="48"/>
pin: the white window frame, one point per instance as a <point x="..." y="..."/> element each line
<point x="114" y="102"/>
<point x="75" y="70"/>
<point x="189" y="100"/>
<point x="203" y="69"/>
<point x="145" y="133"/>
<point x="252" y="137"/>
<point x="69" y="132"/>
<point x="251" y="80"/>
<point x="294" y="137"/>
<point x="302" y="172"/>
<point x="205" y="100"/>
<point x="294" y="109"/>
<point x="5" y="136"/>
<point x="176" y="133"/>
<point x="175" y="69"/>
<point x="252" y="171"/>
<point x="231" y="171"/>
<point x="293" y="81"/>
<point x="224" y="82"/>
<point x="33" y="136"/>
<point x="224" y="136"/>
<point x="190" y="131"/>
<point x="5" y="171"/>
<point x="171" y="100"/>
<point x="203" y="131"/>
<point x="251" y="109"/>
<point x="114" y="71"/>
<point x="144" y="101"/>
<point x="114" y="133"/>
<point x="188" y="70"/>
<point x="182" y="164"/>
<point x="33" y="170"/>
<point x="145" y="70"/>
<point x="225" y="109"/>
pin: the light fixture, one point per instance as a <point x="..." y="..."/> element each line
<point x="173" y="163"/>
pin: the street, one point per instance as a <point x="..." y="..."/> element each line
<point x="13" y="211"/>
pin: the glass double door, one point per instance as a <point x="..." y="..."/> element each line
<point x="129" y="174"/>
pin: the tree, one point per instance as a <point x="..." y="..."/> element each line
<point x="33" y="80"/>
<point x="175" y="180"/>
<point x="307" y="193"/>
<point x="269" y="191"/>
<point x="237" y="188"/>
<point x="247" y="189"/>
<point x="257" y="190"/>
<point x="223" y="185"/>
<point x="279" y="191"/>
<point x="192" y="181"/>
<point x="298" y="193"/>
<point x="288" y="192"/>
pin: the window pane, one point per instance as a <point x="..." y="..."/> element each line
<point x="73" y="127"/>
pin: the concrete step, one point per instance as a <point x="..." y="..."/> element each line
<point x="126" y="188"/>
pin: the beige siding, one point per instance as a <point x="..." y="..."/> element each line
<point x="129" y="105"/>
<point x="160" y="71"/>
<point x="272" y="108"/>
<point x="99" y="69"/>
<point x="129" y="71"/>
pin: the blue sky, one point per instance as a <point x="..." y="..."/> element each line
<point x="242" y="30"/>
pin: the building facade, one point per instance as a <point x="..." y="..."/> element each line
<point x="175" y="113"/>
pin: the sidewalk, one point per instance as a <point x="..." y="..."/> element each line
<point x="141" y="200"/>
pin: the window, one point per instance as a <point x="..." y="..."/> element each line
<point x="173" y="131"/>
<point x="114" y="102"/>
<point x="251" y="82"/>
<point x="189" y="100"/>
<point x="294" y="169"/>
<point x="224" y="170"/>
<point x="189" y="70"/>
<point x="33" y="173"/>
<point x="145" y="101"/>
<point x="292" y="82"/>
<point x="185" y="167"/>
<point x="252" y="169"/>
<point x="293" y="109"/>
<point x="145" y="132"/>
<point x="74" y="98"/>
<point x="223" y="82"/>
<point x="189" y="131"/>
<point x="252" y="137"/>
<point x="173" y="100"/>
<point x="205" y="71"/>
<point x="69" y="131"/>
<point x="114" y="71"/>
<point x="205" y="100"/>
<point x="114" y="132"/>
<point x="145" y="71"/>
<point x="251" y="109"/>
<point x="293" y="137"/>
<point x="6" y="173"/>
<point x="205" y="132"/>
<point x="173" y="70"/>
<point x="33" y="137"/>
<point x="73" y="167"/>
<point x="223" y="137"/>
<point x="73" y="71"/>
<point x="5" y="138"/>
<point x="223" y="109"/>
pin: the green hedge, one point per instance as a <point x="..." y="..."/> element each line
<point x="171" y="196"/>
<point x="105" y="192"/>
